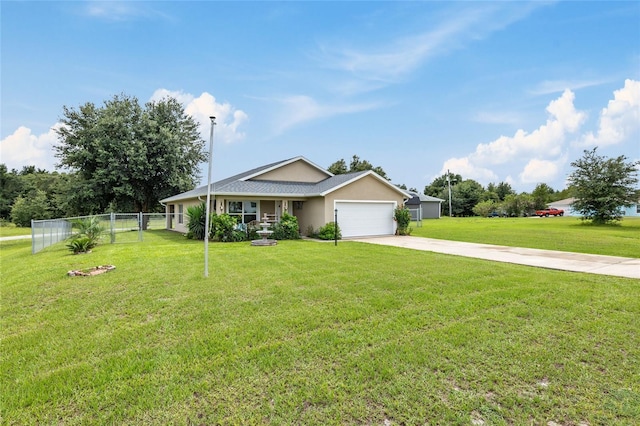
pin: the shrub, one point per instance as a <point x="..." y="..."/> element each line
<point x="225" y="229"/>
<point x="328" y="231"/>
<point x="197" y="216"/>
<point x="88" y="234"/>
<point x="402" y="216"/>
<point x="34" y="207"/>
<point x="81" y="244"/>
<point x="287" y="228"/>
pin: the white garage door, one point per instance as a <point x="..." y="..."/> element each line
<point x="359" y="219"/>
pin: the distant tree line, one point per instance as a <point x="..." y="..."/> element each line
<point x="600" y="186"/>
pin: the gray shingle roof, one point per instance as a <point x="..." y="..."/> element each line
<point x="242" y="184"/>
<point x="235" y="186"/>
<point x="418" y="198"/>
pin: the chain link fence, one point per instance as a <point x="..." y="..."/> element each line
<point x="120" y="227"/>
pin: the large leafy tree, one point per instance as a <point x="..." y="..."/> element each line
<point x="602" y="186"/>
<point x="464" y="196"/>
<point x="129" y="156"/>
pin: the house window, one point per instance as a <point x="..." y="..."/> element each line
<point x="245" y="211"/>
<point x="180" y="213"/>
<point x="638" y="208"/>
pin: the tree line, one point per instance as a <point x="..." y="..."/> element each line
<point x="601" y="186"/>
<point x="124" y="156"/>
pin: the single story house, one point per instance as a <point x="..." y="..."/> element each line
<point x="424" y="206"/>
<point x="633" y="210"/>
<point x="363" y="201"/>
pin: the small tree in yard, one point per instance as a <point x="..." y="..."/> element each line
<point x="603" y="186"/>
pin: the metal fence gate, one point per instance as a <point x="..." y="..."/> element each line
<point x="120" y="227"/>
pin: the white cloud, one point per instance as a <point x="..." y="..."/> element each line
<point x="468" y="170"/>
<point x="23" y="148"/>
<point x="540" y="150"/>
<point x="546" y="141"/>
<point x="228" y="119"/>
<point x="118" y="11"/>
<point x="387" y="62"/>
<point x="620" y="119"/>
<point x="298" y="109"/>
<point x="557" y="86"/>
<point x="537" y="171"/>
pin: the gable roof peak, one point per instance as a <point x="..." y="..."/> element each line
<point x="273" y="166"/>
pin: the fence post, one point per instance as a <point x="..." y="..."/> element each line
<point x="140" y="218"/>
<point x="112" y="227"/>
<point x="33" y="239"/>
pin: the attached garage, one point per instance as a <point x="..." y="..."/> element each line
<point x="366" y="218"/>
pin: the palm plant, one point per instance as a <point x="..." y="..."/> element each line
<point x="88" y="233"/>
<point x="197" y="218"/>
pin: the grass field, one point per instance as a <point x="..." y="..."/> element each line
<point x="308" y="333"/>
<point x="552" y="233"/>
<point x="10" y="230"/>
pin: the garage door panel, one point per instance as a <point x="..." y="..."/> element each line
<point x="365" y="218"/>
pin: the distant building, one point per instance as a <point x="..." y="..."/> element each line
<point x="423" y="206"/>
<point x="565" y="205"/>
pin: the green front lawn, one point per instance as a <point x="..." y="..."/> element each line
<point x="551" y="233"/>
<point x="308" y="333"/>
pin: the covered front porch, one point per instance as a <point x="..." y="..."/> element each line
<point x="245" y="210"/>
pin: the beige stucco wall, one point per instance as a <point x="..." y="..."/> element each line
<point x="311" y="214"/>
<point x="367" y="188"/>
<point x="298" y="171"/>
<point x="180" y="227"/>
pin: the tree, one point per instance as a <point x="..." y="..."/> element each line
<point x="435" y="188"/>
<point x="602" y="186"/>
<point x="127" y="155"/>
<point x="356" y="165"/>
<point x="10" y="189"/>
<point x="542" y="195"/>
<point x="518" y="205"/>
<point x="338" y="168"/>
<point x="503" y="189"/>
<point x="485" y="208"/>
<point x="464" y="197"/>
<point x="35" y="207"/>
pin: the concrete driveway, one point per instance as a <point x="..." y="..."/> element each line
<point x="576" y="262"/>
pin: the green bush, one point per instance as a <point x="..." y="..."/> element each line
<point x="225" y="229"/>
<point x="81" y="244"/>
<point x="287" y="228"/>
<point x="197" y="216"/>
<point x="88" y="233"/>
<point x="402" y="216"/>
<point x="328" y="231"/>
<point x="34" y="207"/>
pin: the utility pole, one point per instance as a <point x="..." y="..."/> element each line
<point x="208" y="209"/>
<point x="449" y="182"/>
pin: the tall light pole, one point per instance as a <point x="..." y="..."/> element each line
<point x="208" y="209"/>
<point x="449" y="182"/>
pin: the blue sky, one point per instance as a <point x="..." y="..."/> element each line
<point x="494" y="91"/>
